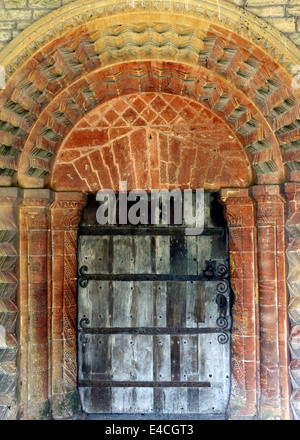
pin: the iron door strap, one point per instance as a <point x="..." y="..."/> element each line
<point x="211" y="273"/>
<point x="153" y="331"/>
<point x="143" y="384"/>
<point x="144" y="231"/>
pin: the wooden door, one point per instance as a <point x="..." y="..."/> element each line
<point x="153" y="319"/>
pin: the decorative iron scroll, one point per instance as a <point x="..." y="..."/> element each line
<point x="221" y="301"/>
<point x="213" y="271"/>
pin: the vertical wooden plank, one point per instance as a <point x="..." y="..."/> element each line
<point x="99" y="300"/>
<point x="142" y="400"/>
<point x="199" y="311"/>
<point x="190" y="304"/>
<point x="175" y="358"/>
<point x="162" y="254"/>
<point x="161" y="368"/>
<point x="175" y="400"/>
<point x="142" y="257"/>
<point x="193" y="400"/>
<point x="85" y="303"/>
<point x="189" y="363"/>
<point x="162" y="358"/>
<point x="142" y="357"/>
<point x="121" y="400"/>
<point x="176" y="304"/>
<point x="153" y="254"/>
<point x="122" y="304"/>
<point x="131" y="357"/>
<point x="85" y="370"/>
<point x="178" y="255"/>
<point x="157" y="394"/>
<point x="122" y="354"/>
<point x="219" y="247"/>
<point x="100" y="357"/>
<point x="204" y="251"/>
<point x="94" y="253"/>
<point x="123" y="261"/>
<point x="159" y="304"/>
<point x="192" y="255"/>
<point x="100" y="400"/>
<point x="111" y="255"/>
<point x="141" y="314"/>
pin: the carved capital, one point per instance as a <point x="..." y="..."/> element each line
<point x="239" y="209"/>
<point x="67" y="210"/>
<point x="270" y="204"/>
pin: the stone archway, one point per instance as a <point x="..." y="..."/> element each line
<point x="78" y="63"/>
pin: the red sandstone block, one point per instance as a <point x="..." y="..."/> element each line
<point x="174" y="150"/>
<point x="37" y="269"/>
<point x="102" y="171"/>
<point x="267" y="266"/>
<point x="85" y="123"/>
<point x="37" y="243"/>
<point x="155" y="179"/>
<point x="110" y="163"/>
<point x="168" y="114"/>
<point x="38" y="297"/>
<point x="38" y="327"/>
<point x="38" y="357"/>
<point x="158" y="104"/>
<point x="129" y="115"/>
<point x="267" y="292"/>
<point x="281" y="267"/>
<point x="124" y="160"/>
<point x="163" y="172"/>
<point x="120" y="123"/>
<point x="68" y="156"/>
<point x="188" y="160"/>
<point x="148" y="115"/>
<point x="57" y="321"/>
<point x="118" y="132"/>
<point x="66" y="178"/>
<point x="172" y="172"/>
<point x="138" y="104"/>
<point x="139" y="122"/>
<point x="58" y="269"/>
<point x="87" y="138"/>
<point x="111" y="116"/>
<point x="85" y="170"/>
<point x="38" y="386"/>
<point x="164" y="148"/>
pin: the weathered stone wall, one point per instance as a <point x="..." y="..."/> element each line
<point x="16" y="15"/>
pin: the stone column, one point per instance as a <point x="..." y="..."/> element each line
<point x="270" y="221"/>
<point x="33" y="301"/>
<point x="240" y="215"/>
<point x="9" y="261"/>
<point x="65" y="216"/>
<point x="292" y="191"/>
